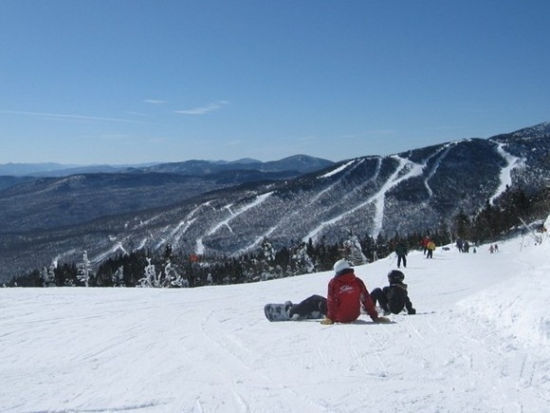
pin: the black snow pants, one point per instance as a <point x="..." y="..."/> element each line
<point x="310" y="307"/>
<point x="379" y="296"/>
<point x="401" y="257"/>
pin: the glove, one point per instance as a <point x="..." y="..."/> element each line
<point x="327" y="321"/>
<point x="382" y="320"/>
<point x="412" y="311"/>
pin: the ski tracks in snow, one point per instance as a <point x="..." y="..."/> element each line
<point x="240" y="371"/>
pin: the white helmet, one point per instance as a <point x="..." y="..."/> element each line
<point x="341" y="266"/>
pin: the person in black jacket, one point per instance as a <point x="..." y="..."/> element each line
<point x="401" y="251"/>
<point x="393" y="298"/>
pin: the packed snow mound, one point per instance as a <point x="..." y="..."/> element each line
<point x="517" y="307"/>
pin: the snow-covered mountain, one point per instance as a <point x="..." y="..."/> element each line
<point x="480" y="342"/>
<point x="297" y="163"/>
<point x="65" y="199"/>
<point x="408" y="192"/>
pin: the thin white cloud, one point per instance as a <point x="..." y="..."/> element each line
<point x="375" y="132"/>
<point x="157" y="139"/>
<point x="114" y="136"/>
<point x="154" y="101"/>
<point x="65" y="116"/>
<point x="202" y="110"/>
<point x="380" y="132"/>
<point x="233" y="143"/>
<point x="130" y="112"/>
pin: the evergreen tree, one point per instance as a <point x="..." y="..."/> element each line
<point x="48" y="276"/>
<point x="150" y="276"/>
<point x="118" y="277"/>
<point x="84" y="269"/>
<point x="353" y="251"/>
<point x="301" y="261"/>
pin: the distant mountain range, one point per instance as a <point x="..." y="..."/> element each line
<point x="37" y="203"/>
<point x="229" y="208"/>
<point x="296" y="164"/>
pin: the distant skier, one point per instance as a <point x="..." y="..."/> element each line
<point x="394" y="298"/>
<point x="347" y="294"/>
<point x="430" y="247"/>
<point x="401" y="251"/>
<point x="424" y="243"/>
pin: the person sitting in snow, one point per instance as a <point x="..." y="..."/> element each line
<point x="346" y="295"/>
<point x="393" y="298"/>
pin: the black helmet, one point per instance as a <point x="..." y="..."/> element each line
<point x="395" y="276"/>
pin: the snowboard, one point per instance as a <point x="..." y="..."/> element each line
<point x="279" y="312"/>
<point x="276" y="312"/>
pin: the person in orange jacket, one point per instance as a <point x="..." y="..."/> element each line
<point x="346" y="295"/>
<point x="431" y="249"/>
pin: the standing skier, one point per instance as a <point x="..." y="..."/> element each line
<point x="401" y="251"/>
<point x="430" y="247"/>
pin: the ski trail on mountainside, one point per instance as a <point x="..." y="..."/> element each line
<point x="184" y="224"/>
<point x="117" y="247"/>
<point x="337" y="170"/>
<point x="199" y="249"/>
<point x="445" y="149"/>
<point x="377" y="199"/>
<point x="173" y="237"/>
<point x="316" y="198"/>
<point x="512" y="162"/>
<point x="393" y="181"/>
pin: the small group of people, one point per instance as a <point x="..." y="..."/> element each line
<point x="493" y="248"/>
<point x="463" y="245"/>
<point x="428" y="246"/>
<point x="348" y="295"/>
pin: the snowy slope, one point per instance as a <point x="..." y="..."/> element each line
<point x="479" y="343"/>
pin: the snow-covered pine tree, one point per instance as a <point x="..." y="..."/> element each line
<point x="264" y="265"/>
<point x="150" y="277"/>
<point x="171" y="276"/>
<point x="84" y="269"/>
<point x="268" y="251"/>
<point x="353" y="251"/>
<point x="301" y="261"/>
<point x="48" y="276"/>
<point x="118" y="277"/>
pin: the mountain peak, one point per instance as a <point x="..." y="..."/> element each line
<point x="534" y="131"/>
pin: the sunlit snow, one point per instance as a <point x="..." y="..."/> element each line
<point x="480" y="342"/>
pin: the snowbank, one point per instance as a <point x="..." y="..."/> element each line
<point x="517" y="307"/>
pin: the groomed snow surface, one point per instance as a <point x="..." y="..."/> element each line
<point x="479" y="343"/>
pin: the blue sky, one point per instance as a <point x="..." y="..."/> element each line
<point x="121" y="82"/>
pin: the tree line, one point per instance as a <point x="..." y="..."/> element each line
<point x="170" y="269"/>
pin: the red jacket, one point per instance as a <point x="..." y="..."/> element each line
<point x="346" y="295"/>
